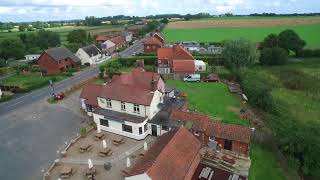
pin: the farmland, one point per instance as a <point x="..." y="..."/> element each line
<point x="252" y="29"/>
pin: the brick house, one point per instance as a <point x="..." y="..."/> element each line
<point x="57" y="60"/>
<point x="119" y="42"/>
<point x="226" y="136"/>
<point x="175" y="156"/>
<point x="152" y="44"/>
<point x="169" y="60"/>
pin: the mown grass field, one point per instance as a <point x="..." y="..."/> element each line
<point x="310" y="33"/>
<point x="213" y="99"/>
<point x="263" y="164"/>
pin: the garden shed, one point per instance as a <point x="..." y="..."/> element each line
<point x="200" y="65"/>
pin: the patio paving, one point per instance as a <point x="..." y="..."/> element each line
<point x="79" y="161"/>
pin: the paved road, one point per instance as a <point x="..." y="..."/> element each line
<point x="31" y="131"/>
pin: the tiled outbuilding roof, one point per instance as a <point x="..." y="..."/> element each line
<point x="183" y="66"/>
<point x="170" y="158"/>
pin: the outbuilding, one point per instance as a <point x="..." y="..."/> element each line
<point x="200" y="65"/>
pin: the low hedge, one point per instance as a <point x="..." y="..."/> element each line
<point x="309" y="53"/>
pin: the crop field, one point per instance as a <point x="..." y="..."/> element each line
<point x="252" y="29"/>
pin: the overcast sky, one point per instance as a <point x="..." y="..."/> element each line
<point x="43" y="10"/>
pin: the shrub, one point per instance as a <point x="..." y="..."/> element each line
<point x="212" y="60"/>
<point x="308" y="53"/>
<point x="4" y="98"/>
<point x="273" y="56"/>
<point x="83" y="131"/>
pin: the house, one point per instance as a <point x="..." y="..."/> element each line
<point x="31" y="57"/>
<point x="200" y="66"/>
<point x="57" y="60"/>
<point x="168" y="60"/>
<point x="159" y="37"/>
<point x="101" y="39"/>
<point x="126" y="104"/>
<point x="127" y="35"/>
<point x="90" y="55"/>
<point x="215" y="134"/>
<point x="108" y="47"/>
<point x="119" y="42"/>
<point x="191" y="46"/>
<point x="174" y="156"/>
<point x="152" y="44"/>
<point x="215" y="49"/>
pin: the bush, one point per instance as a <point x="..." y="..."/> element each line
<point x="4" y="98"/>
<point x="83" y="131"/>
<point x="273" y="56"/>
<point x="51" y="100"/>
<point x="212" y="60"/>
<point x="308" y="53"/>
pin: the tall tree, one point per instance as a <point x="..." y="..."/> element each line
<point x="78" y="36"/>
<point x="291" y="41"/>
<point x="11" y="48"/>
<point x="46" y="39"/>
<point x="239" y="54"/>
<point x="272" y="40"/>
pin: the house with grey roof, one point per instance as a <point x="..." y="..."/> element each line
<point x="90" y="55"/>
<point x="58" y="60"/>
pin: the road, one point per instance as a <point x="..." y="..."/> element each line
<point x="31" y="130"/>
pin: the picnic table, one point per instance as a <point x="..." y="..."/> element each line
<point x="105" y="152"/>
<point x="98" y="136"/>
<point x="66" y="172"/>
<point x="85" y="148"/>
<point x="118" y="141"/>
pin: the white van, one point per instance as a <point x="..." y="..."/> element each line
<point x="192" y="78"/>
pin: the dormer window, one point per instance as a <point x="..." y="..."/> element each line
<point x="109" y="105"/>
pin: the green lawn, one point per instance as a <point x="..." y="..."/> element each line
<point x="263" y="164"/>
<point x="212" y="99"/>
<point x="310" y="33"/>
<point x="31" y="82"/>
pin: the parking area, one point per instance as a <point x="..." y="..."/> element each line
<point x="78" y="161"/>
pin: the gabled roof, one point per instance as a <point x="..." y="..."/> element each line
<point x="183" y="66"/>
<point x="102" y="38"/>
<point x="153" y="41"/>
<point x="212" y="128"/>
<point x="91" y="50"/>
<point x="158" y="36"/>
<point x="118" y="40"/>
<point x="134" y="87"/>
<point x="90" y="93"/>
<point x="177" y="52"/>
<point x="61" y="54"/>
<point x="170" y="158"/>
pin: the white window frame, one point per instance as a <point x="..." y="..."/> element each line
<point x="108" y="103"/>
<point x="123" y="106"/>
<point x="136" y="108"/>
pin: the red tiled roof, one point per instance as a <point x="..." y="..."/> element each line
<point x="158" y="36"/>
<point x="133" y="87"/>
<point x="213" y="128"/>
<point x="118" y="40"/>
<point x="170" y="157"/>
<point x="183" y="66"/>
<point x="177" y="52"/>
<point x="90" y="92"/>
<point x="230" y="132"/>
<point x="102" y="38"/>
<point x="153" y="41"/>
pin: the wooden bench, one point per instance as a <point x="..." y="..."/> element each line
<point x="105" y="152"/>
<point x="118" y="141"/>
<point x="66" y="172"/>
<point x="85" y="148"/>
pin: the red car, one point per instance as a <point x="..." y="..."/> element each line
<point x="59" y="96"/>
<point x="211" y="78"/>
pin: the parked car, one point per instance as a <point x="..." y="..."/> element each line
<point x="211" y="78"/>
<point x="192" y="78"/>
<point x="59" y="96"/>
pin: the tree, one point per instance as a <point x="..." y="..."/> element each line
<point x="78" y="36"/>
<point x="113" y="68"/>
<point x="22" y="28"/>
<point x="239" y="54"/>
<point x="11" y="48"/>
<point x="290" y="41"/>
<point x="165" y="21"/>
<point x="46" y="39"/>
<point x="272" y="40"/>
<point x="273" y="56"/>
